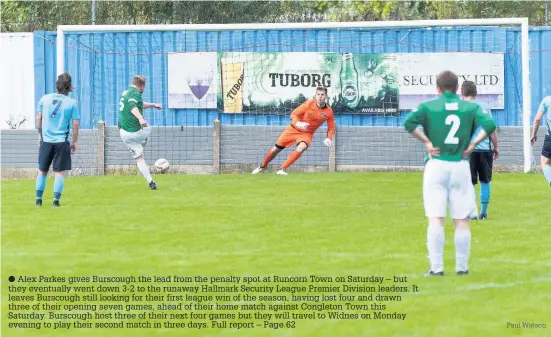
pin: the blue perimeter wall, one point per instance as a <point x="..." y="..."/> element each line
<point x="102" y="65"/>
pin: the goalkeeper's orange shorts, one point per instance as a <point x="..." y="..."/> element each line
<point x="292" y="136"/>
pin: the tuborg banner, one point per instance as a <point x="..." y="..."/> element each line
<point x="275" y="83"/>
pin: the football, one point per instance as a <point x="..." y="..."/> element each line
<point x="162" y="165"/>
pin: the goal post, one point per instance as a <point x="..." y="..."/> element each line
<point x="524" y="107"/>
<point x="529" y="162"/>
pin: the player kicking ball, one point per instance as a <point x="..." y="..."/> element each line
<point x="448" y="123"/>
<point x="305" y="120"/>
<point x="134" y="129"/>
<point x="544" y="109"/>
<point x="482" y="159"/>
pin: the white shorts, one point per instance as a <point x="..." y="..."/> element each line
<point x="448" y="183"/>
<point x="135" y="141"/>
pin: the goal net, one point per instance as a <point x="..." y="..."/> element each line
<point x="227" y="91"/>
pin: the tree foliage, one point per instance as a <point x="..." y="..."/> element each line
<point x="432" y="9"/>
<point x="18" y="16"/>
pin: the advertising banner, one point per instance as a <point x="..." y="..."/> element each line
<point x="192" y="80"/>
<point x="276" y="83"/>
<point x="418" y="73"/>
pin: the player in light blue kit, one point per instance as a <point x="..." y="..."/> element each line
<point x="544" y="109"/>
<point x="482" y="159"/>
<point x="55" y="113"/>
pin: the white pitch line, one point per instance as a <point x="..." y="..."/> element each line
<point x="492" y="285"/>
<point x="515" y="261"/>
<point x="484" y="286"/>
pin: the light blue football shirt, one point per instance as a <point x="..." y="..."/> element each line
<point x="58" y="111"/>
<point x="485" y="144"/>
<point x="545" y="106"/>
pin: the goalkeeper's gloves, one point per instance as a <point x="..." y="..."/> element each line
<point x="302" y="125"/>
<point x="327" y="142"/>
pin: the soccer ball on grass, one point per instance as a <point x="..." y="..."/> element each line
<point x="162" y="165"/>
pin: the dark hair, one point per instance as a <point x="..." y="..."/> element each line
<point x="139" y="81"/>
<point x="447" y="81"/>
<point x="321" y="89"/>
<point x="468" y="89"/>
<point x="63" y="84"/>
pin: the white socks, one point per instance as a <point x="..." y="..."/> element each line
<point x="144" y="170"/>
<point x="474" y="213"/>
<point x="435" y="245"/>
<point x="462" y="248"/>
<point x="547" y="172"/>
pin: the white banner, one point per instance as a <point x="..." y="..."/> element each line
<point x="192" y="80"/>
<point x="17" y="91"/>
<point x="418" y="71"/>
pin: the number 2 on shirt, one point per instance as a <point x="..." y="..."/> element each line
<point x="454" y="121"/>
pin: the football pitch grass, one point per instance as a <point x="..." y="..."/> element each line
<point x="326" y="224"/>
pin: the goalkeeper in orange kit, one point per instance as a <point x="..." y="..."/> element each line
<point x="306" y="119"/>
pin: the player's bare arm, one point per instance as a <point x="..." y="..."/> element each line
<point x="152" y="105"/>
<point x="536" y="126"/>
<point x="76" y="128"/>
<point x="136" y="112"/>
<point x="495" y="143"/>
<point x="39" y="124"/>
<point x="413" y="120"/>
<point x="431" y="150"/>
<point x="481" y="136"/>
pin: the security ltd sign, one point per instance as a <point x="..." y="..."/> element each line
<point x="418" y="72"/>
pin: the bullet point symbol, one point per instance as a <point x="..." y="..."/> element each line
<point x="12" y="278"/>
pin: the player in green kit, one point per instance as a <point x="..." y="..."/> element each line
<point x="134" y="129"/>
<point x="448" y="125"/>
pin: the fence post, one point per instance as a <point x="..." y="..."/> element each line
<point x="100" y="167"/>
<point x="216" y="147"/>
<point x="333" y="156"/>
